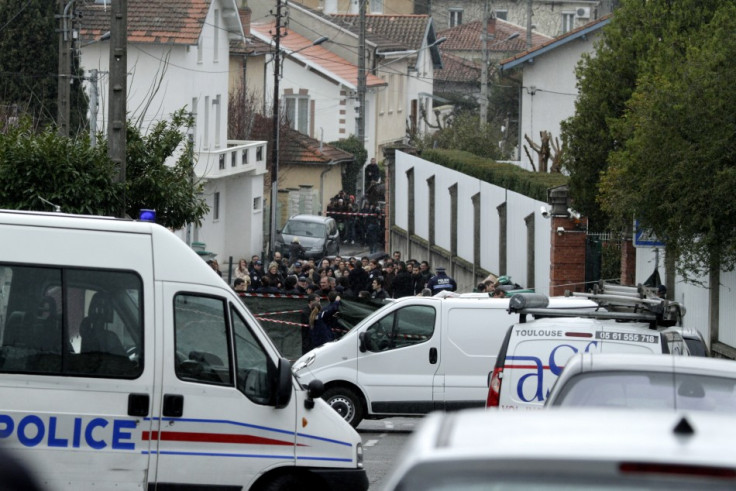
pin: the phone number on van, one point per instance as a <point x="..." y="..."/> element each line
<point x="626" y="336"/>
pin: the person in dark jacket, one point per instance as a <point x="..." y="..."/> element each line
<point x="319" y="323"/>
<point x="304" y="320"/>
<point x="296" y="251"/>
<point x="378" y="292"/>
<point x="441" y="281"/>
<point x="402" y="284"/>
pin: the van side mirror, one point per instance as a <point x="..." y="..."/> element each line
<point x="282" y="384"/>
<point x="365" y="342"/>
<point x="315" y="389"/>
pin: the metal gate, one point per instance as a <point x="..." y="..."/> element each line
<point x="602" y="258"/>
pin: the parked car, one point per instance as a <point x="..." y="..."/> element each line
<point x="318" y="236"/>
<point x="646" y="382"/>
<point x="571" y="449"/>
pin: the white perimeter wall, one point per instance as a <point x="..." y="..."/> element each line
<point x="518" y="208"/>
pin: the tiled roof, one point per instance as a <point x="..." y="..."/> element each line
<point x="249" y="45"/>
<point x="456" y="69"/>
<point x="299" y="149"/>
<point x="151" y="21"/>
<point x="466" y="37"/>
<point x="389" y="31"/>
<point x="317" y="57"/>
<point x="559" y="40"/>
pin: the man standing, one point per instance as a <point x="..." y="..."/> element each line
<point x="312" y="303"/>
<point x="441" y="281"/>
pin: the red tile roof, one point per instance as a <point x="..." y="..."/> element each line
<point x="466" y="37"/>
<point x="297" y="148"/>
<point x="150" y="21"/>
<point x="318" y="56"/>
<point x="389" y="31"/>
<point x="457" y="69"/>
<point x="568" y="35"/>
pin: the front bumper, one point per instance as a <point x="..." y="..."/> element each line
<point x="343" y="479"/>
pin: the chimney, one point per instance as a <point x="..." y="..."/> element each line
<point x="491" y="27"/>
<point x="245" y="13"/>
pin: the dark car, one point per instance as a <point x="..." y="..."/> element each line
<point x="318" y="236"/>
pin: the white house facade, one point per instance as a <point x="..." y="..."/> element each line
<point x="177" y="62"/>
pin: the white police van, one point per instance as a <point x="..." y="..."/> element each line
<point x="534" y="353"/>
<point x="126" y="363"/>
<point x="415" y="355"/>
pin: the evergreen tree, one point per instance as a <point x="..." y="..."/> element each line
<point x="29" y="58"/>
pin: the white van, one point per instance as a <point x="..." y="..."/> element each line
<point x="534" y="353"/>
<point x="415" y="355"/>
<point x="127" y="363"/>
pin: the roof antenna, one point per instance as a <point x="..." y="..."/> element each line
<point x="57" y="208"/>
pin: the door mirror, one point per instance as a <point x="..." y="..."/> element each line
<point x="315" y="389"/>
<point x="282" y="384"/>
<point x="365" y="342"/>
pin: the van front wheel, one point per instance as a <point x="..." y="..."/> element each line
<point x="346" y="402"/>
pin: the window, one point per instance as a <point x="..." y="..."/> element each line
<point x="401" y="328"/>
<point x="400" y="93"/>
<point x="218" y="116"/>
<point x="194" y="117"/>
<point x="297" y="113"/>
<point x="252" y="363"/>
<point x="256" y="203"/>
<point x="376" y="6"/>
<point x="455" y="17"/>
<point x="71" y="322"/>
<point x="216" y="207"/>
<point x="201" y="339"/>
<point x="206" y="122"/>
<point x="568" y="21"/>
<point x="502" y="14"/>
<point x="199" y="50"/>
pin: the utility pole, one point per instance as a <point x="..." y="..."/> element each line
<point x="93" y="106"/>
<point x="65" y="16"/>
<point x="484" y="68"/>
<point x="117" y="126"/>
<point x="275" y="150"/>
<point x="528" y="24"/>
<point x="362" y="75"/>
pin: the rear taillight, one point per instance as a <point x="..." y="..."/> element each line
<point x="494" y="387"/>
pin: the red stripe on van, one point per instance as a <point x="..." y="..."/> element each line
<point x="527" y="367"/>
<point x="180" y="436"/>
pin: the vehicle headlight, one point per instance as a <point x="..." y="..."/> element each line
<point x="301" y="365"/>
<point x="359" y="454"/>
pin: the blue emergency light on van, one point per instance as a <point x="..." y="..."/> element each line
<point x="147" y="215"/>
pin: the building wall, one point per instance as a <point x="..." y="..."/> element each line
<point x="547" y="16"/>
<point x="165" y="78"/>
<point x="326" y="186"/>
<point x="549" y="91"/>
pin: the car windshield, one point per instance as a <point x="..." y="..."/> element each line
<point x="304" y="229"/>
<point x="652" y="390"/>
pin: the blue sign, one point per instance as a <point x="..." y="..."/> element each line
<point x="644" y="237"/>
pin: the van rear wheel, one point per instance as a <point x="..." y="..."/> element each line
<point x="347" y="404"/>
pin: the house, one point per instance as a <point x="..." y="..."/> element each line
<point x="548" y="17"/>
<point x="549" y="89"/>
<point x="310" y="172"/>
<point x="178" y="56"/>
<point x="401" y="50"/>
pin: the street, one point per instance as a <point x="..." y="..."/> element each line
<point x="383" y="441"/>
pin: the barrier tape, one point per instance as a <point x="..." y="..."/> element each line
<point x="355" y="214"/>
<point x="279" y="313"/>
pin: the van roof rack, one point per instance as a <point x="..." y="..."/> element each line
<point x="622" y="303"/>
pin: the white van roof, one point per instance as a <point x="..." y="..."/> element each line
<point x="168" y="250"/>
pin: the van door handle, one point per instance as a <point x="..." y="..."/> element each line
<point x="138" y="404"/>
<point x="173" y="405"/>
<point x="432" y="355"/>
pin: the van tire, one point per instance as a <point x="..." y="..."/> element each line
<point x="282" y="482"/>
<point x="346" y="402"/>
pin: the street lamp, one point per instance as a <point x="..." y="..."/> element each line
<point x="275" y="151"/>
<point x="484" y="74"/>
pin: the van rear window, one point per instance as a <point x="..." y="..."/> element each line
<point x="70" y="321"/>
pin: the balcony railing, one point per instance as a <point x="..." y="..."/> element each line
<point x="240" y="156"/>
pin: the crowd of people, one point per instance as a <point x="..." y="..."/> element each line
<point x="363" y="224"/>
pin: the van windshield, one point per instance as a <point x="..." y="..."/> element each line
<point x="305" y="229"/>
